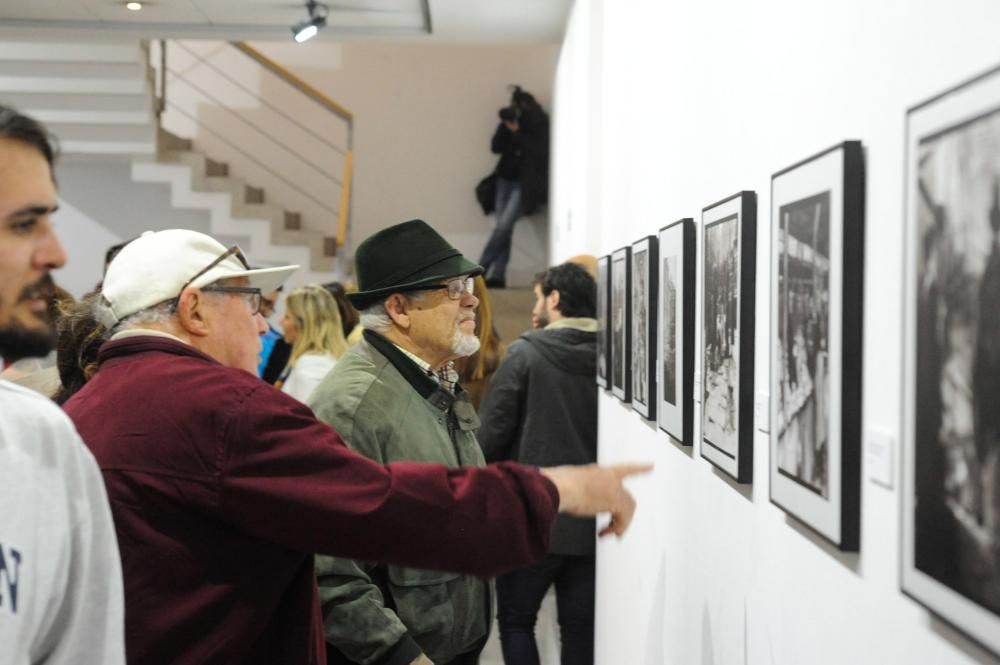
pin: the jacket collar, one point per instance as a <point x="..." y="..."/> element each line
<point x="425" y="386"/>
<point x="142" y="343"/>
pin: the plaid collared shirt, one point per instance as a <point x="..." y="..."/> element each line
<point x="447" y="376"/>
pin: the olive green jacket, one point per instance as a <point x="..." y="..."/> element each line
<point x="385" y="407"/>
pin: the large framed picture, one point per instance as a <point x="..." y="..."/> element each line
<point x="621" y="325"/>
<point x="643" y="313"/>
<point x="817" y="301"/>
<point x="603" y="312"/>
<point x="675" y="369"/>
<point x="729" y="244"/>
<point x="951" y="391"/>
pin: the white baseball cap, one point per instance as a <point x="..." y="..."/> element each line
<point x="157" y="265"/>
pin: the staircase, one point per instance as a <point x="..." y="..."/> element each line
<point x="97" y="100"/>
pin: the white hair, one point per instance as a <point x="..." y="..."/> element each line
<point x="375" y="317"/>
<point x="160" y="313"/>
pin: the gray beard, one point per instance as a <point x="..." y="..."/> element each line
<point x="464" y="345"/>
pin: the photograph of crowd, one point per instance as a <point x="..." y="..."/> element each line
<point x="816" y="323"/>
<point x="803" y="302"/>
<point x="621" y="378"/>
<point x="603" y="355"/>
<point x="721" y="334"/>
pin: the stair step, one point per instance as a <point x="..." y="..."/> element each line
<point x="35" y="102"/>
<point x="92" y="70"/>
<point x="76" y="52"/>
<point x="169" y="141"/>
<point x="129" y="149"/>
<point x="82" y="117"/>
<point x="106" y="133"/>
<point x="108" y="86"/>
<point x="253" y="194"/>
<point x="293" y="221"/>
<point x="216" y="169"/>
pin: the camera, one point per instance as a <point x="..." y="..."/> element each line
<point x="509" y="114"/>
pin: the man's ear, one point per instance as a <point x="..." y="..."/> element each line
<point x="192" y="314"/>
<point x="398" y="308"/>
<point x="553" y="299"/>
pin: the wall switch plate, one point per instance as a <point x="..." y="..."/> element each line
<point x="762" y="411"/>
<point x="880" y="457"/>
<point x="697" y="387"/>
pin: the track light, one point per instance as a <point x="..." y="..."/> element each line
<point x="308" y="29"/>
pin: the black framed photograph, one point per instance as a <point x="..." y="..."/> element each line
<point x="643" y="313"/>
<point x="951" y="390"/>
<point x="817" y="302"/>
<point x="621" y="325"/>
<point x="675" y="340"/>
<point x="729" y="257"/>
<point x="603" y="311"/>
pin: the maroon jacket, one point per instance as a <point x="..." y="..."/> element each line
<point x="222" y="487"/>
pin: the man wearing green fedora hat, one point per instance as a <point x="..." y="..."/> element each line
<point x="395" y="397"/>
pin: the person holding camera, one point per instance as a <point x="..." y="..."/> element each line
<point x="522" y="174"/>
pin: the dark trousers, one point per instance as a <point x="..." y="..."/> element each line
<point x="520" y="594"/>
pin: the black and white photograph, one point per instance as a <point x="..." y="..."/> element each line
<point x="621" y="325"/>
<point x="643" y="310"/>
<point x="951" y="426"/>
<point x="728" y="264"/>
<point x="603" y="309"/>
<point x="817" y="261"/>
<point x="675" y="379"/>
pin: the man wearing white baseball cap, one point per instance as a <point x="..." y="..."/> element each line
<point x="222" y="487"/>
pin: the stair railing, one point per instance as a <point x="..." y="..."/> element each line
<point x="264" y="121"/>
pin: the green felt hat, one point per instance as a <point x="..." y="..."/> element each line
<point x="404" y="256"/>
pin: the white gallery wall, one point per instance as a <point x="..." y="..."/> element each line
<point x="662" y="108"/>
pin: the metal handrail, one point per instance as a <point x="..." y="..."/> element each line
<point x="328" y="104"/>
<point x="294" y="81"/>
<point x="276" y="109"/>
<point x="343" y="220"/>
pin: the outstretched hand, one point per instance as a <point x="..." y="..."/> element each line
<point x="591" y="489"/>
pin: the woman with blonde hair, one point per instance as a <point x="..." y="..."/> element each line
<point x="312" y="326"/>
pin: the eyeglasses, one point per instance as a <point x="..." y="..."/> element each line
<point x="254" y="294"/>
<point x="456" y="287"/>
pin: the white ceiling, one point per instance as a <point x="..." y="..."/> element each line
<point x="449" y="20"/>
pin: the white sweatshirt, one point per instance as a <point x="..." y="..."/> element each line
<point x="309" y="371"/>
<point x="61" y="595"/>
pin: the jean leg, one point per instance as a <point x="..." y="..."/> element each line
<point x="496" y="254"/>
<point x="519" y="596"/>
<point x="575" y="604"/>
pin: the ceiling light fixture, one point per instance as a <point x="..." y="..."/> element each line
<point x="308" y="29"/>
<point x="133" y="6"/>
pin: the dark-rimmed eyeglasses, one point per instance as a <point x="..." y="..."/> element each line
<point x="255" y="296"/>
<point x="456" y="287"/>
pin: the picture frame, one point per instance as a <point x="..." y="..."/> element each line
<point x="642" y="306"/>
<point x="950" y="443"/>
<point x="603" y="317"/>
<point x="621" y="324"/>
<point x="816" y="324"/>
<point x="728" y="262"/>
<point x="676" y="322"/>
